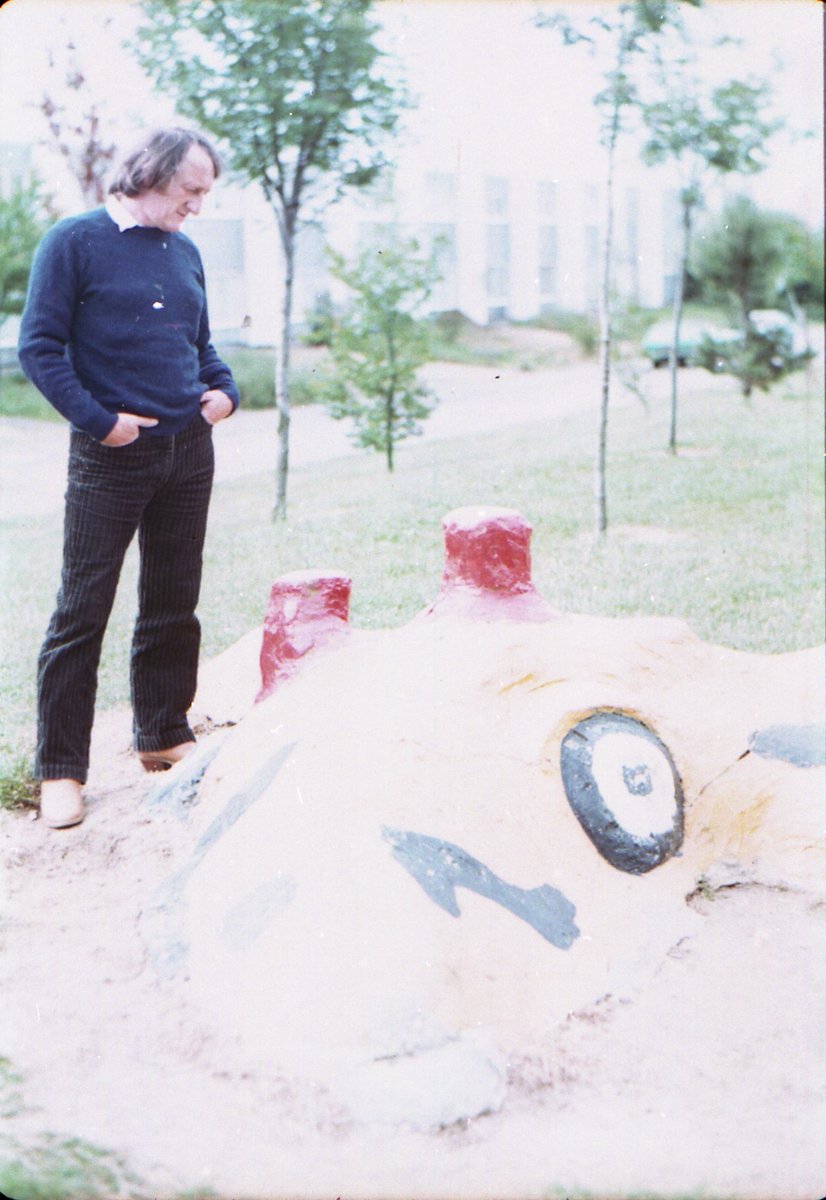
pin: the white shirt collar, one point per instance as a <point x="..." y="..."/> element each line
<point x="120" y="214"/>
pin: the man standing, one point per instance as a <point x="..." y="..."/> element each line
<point x="115" y="334"/>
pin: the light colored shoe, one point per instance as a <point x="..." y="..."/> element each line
<point x="162" y="760"/>
<point x="61" y="802"/>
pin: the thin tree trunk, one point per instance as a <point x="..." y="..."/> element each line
<point x="388" y="430"/>
<point x="679" y="292"/>
<point x="600" y="487"/>
<point x="282" y="379"/>
<point x="390" y="400"/>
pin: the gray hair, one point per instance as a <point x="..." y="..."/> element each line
<point x="152" y="164"/>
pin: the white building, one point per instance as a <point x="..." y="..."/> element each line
<point x="499" y="158"/>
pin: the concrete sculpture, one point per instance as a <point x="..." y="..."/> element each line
<point x="423" y="848"/>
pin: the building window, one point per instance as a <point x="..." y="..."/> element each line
<point x="15" y="165"/>
<point x="548" y="199"/>
<point x="548" y="250"/>
<point x="592" y="266"/>
<point x="498" y="256"/>
<point x="591" y="197"/>
<point x="671" y="233"/>
<point x="374" y="234"/>
<point x="221" y="243"/>
<point x="632" y="235"/>
<point x="442" y="241"/>
<point x="440" y="190"/>
<point x="496" y="196"/>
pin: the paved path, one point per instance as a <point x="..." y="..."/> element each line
<point x="472" y="399"/>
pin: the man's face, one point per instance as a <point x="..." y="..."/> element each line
<point x="167" y="209"/>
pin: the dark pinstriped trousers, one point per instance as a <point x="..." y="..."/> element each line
<point x="159" y="487"/>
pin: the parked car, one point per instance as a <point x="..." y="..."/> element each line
<point x="766" y="320"/>
<point x="656" y="342"/>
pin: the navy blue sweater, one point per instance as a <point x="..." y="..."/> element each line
<point x="117" y="322"/>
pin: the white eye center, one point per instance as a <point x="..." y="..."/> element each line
<point x="636" y="783"/>
<point x="624" y="790"/>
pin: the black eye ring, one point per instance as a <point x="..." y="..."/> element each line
<point x="624" y="789"/>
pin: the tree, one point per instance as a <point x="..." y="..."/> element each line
<point x="801" y="279"/>
<point x="293" y="89"/>
<point x="723" y="132"/>
<point x="626" y="35"/>
<point x="378" y="344"/>
<point x="739" y="258"/>
<point x="744" y="258"/>
<point x="24" y="218"/>
<point x="79" y="137"/>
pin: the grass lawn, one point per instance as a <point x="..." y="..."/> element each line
<point x="728" y="535"/>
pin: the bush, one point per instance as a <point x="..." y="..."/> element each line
<point x="17" y="786"/>
<point x="254" y="372"/>
<point x="757" y="360"/>
<point x="19" y="398"/>
<point x="454" y="338"/>
<point x="450" y="326"/>
<point x="305" y="387"/>
<point x="582" y="327"/>
<point x="68" y="1167"/>
<point x="320" y="321"/>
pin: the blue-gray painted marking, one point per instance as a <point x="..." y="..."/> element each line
<point x="177" y="788"/>
<point x="440" y="867"/>
<point x="800" y="745"/>
<point x="167" y="948"/>
<point x="247" y="920"/>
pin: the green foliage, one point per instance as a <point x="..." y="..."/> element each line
<point x="254" y="372"/>
<point x="701" y="507"/>
<point x="295" y="91"/>
<point x="17" y="786"/>
<point x="740" y="258"/>
<point x="20" y="398"/>
<point x="320" y="319"/>
<point x="758" y="359"/>
<point x="454" y="338"/>
<point x="24" y="218"/>
<point x="11" y="1099"/>
<point x="69" y="1168"/>
<point x="628" y="30"/>
<point x="449" y="327"/>
<point x="627" y="36"/>
<point x="722" y="131"/>
<point x="582" y="327"/>
<point x="378" y="344"/>
<point x="253" y="369"/>
<point x="307" y="386"/>
<point x="292" y="88"/>
<point x="802" y="275"/>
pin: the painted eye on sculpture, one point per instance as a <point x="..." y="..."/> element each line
<point x="624" y="789"/>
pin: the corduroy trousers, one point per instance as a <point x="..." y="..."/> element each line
<point x="160" y="488"/>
